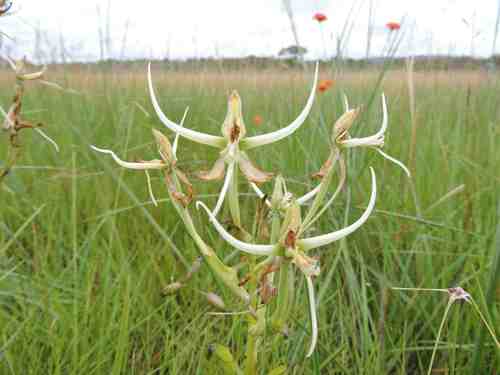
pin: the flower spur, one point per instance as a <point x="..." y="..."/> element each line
<point x="233" y="144"/>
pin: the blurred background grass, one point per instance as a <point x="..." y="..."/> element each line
<point x="84" y="255"/>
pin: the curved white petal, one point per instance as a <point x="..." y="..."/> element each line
<point x="150" y="188"/>
<point x="47" y="138"/>
<point x="303" y="199"/>
<point x="312" y="312"/>
<point x="395" y="161"/>
<point x="325" y="239"/>
<point x="240" y="245"/>
<point x="264" y="139"/>
<point x="176" y="140"/>
<point x="385" y="118"/>
<point x="131" y="165"/>
<point x="207" y="139"/>
<point x="260" y="193"/>
<point x="225" y="187"/>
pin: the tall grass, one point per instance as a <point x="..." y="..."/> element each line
<point x="84" y="255"/>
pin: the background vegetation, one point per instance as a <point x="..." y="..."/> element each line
<point x="84" y="255"/>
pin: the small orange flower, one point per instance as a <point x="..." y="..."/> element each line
<point x="324" y="85"/>
<point x="257" y="120"/>
<point x="393" y="26"/>
<point x="320" y="17"/>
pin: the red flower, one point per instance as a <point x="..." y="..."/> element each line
<point x="324" y="85"/>
<point x="393" y="26"/>
<point x="320" y="17"/>
<point x="257" y="120"/>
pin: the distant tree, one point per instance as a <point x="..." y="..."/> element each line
<point x="292" y="51"/>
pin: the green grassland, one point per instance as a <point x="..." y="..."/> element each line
<point x="85" y="256"/>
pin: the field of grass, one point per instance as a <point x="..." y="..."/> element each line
<point x="85" y="256"/>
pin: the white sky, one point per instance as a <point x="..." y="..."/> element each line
<point x="196" y="28"/>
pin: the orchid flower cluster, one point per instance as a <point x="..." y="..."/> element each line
<point x="13" y="120"/>
<point x="268" y="300"/>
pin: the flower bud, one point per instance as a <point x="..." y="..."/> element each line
<point x="164" y="147"/>
<point x="343" y="124"/>
<point x="215" y="300"/>
<point x="233" y="128"/>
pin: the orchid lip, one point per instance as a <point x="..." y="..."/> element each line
<point x="207" y="139"/>
<point x="240" y="245"/>
<point x="131" y="165"/>
<point x="326" y="239"/>
<point x="264" y="139"/>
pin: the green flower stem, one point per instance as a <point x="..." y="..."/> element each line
<point x="285" y="282"/>
<point x="320" y="197"/>
<point x="285" y="297"/>
<point x="251" y="350"/>
<point x="343" y="176"/>
<point x="13" y="151"/>
<point x="12" y="155"/>
<point x="441" y="326"/>
<point x="225" y="274"/>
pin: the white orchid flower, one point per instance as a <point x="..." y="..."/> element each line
<point x="167" y="162"/>
<point x="304" y="244"/>
<point x="375" y="141"/>
<point x="296" y="248"/>
<point x="233" y="144"/>
<point x="236" y="130"/>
